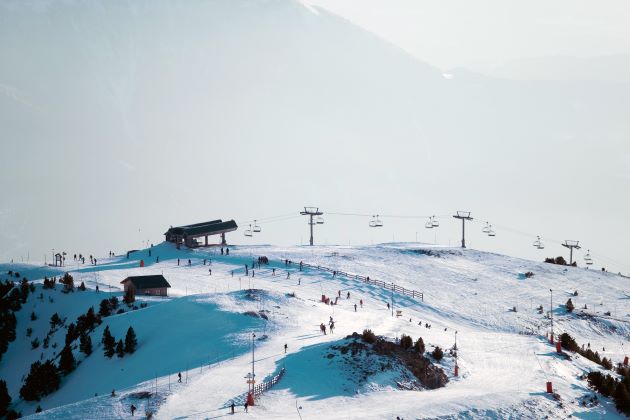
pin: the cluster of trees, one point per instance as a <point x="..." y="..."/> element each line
<point x="608" y="386"/>
<point x="570" y="344"/>
<point x="42" y="380"/>
<point x="12" y="298"/>
<point x="108" y="306"/>
<point x="560" y="261"/>
<point x="50" y="283"/>
<point x="110" y="346"/>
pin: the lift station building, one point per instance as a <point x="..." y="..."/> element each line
<point x="196" y="235"/>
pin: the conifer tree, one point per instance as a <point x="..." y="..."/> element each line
<point x="130" y="341"/>
<point x="569" y="305"/>
<point x="66" y="361"/>
<point x="120" y="348"/>
<point x="108" y="343"/>
<point x="5" y="398"/>
<point x="85" y="344"/>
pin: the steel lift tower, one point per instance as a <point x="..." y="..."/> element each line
<point x="463" y="215"/>
<point x="571" y="244"/>
<point x="313" y="212"/>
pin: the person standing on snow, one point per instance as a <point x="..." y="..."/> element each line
<point x="348" y="295"/>
<point x="133" y="409"/>
<point x="179" y="377"/>
<point x="355" y="307"/>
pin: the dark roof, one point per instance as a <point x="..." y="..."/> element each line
<point x="210" y="228"/>
<point x="147" y="282"/>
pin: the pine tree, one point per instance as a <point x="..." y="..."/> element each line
<point x="72" y="334"/>
<point x="569" y="305"/>
<point x="82" y="287"/>
<point x="55" y="320"/>
<point x="68" y="282"/>
<point x="66" y="361"/>
<point x="108" y="342"/>
<point x="38" y="409"/>
<point x="5" y="398"/>
<point x="130" y="341"/>
<point x="42" y="379"/>
<point x="85" y="344"/>
<point x="105" y="308"/>
<point x="438" y="354"/>
<point x="120" y="348"/>
<point x="419" y="346"/>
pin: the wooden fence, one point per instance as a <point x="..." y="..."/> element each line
<point x="263" y="386"/>
<point x="366" y="279"/>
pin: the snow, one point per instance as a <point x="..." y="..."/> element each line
<point x="504" y="359"/>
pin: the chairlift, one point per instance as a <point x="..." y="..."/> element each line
<point x="490" y="231"/>
<point x="537" y="242"/>
<point x="256" y="227"/>
<point x="378" y="222"/>
<point x="429" y="224"/>
<point x="319" y="220"/>
<point x="373" y="221"/>
<point x="435" y="223"/>
<point x="486" y="228"/>
<point x="587" y="258"/>
<point x="248" y="232"/>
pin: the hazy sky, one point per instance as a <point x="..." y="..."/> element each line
<point x="484" y="34"/>
<point x="119" y="119"/>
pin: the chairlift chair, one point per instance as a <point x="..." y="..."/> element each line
<point x="373" y="221"/>
<point x="429" y="224"/>
<point x="490" y="231"/>
<point x="587" y="258"/>
<point x="248" y="232"/>
<point x="537" y="242"/>
<point x="256" y="227"/>
<point x="378" y="222"/>
<point x="486" y="228"/>
<point x="320" y="220"/>
<point x="434" y="222"/>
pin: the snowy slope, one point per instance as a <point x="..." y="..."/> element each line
<point x="504" y="358"/>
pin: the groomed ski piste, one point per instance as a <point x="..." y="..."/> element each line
<point x="204" y="330"/>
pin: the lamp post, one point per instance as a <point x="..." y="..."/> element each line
<point x="551" y="312"/>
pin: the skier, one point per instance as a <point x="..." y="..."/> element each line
<point x="178" y="261"/>
<point x="149" y="253"/>
<point x="332" y="326"/>
<point x="322" y="328"/>
<point x="204" y="261"/>
<point x="232" y="407"/>
<point x="348" y="295"/>
<point x="221" y="250"/>
<point x="246" y="406"/>
<point x="299" y="281"/>
<point x="97" y="288"/>
<point x="157" y="259"/>
<point x="388" y="305"/>
<point x="179" y="377"/>
<point x="209" y="271"/>
<point x="355" y="307"/>
<point x="113" y="393"/>
<point x="227" y="251"/>
<point x="133" y="409"/>
<point x="339" y="293"/>
<point x="273" y="271"/>
<point x="288" y="274"/>
<point x="285" y="348"/>
<point x="189" y="262"/>
<point x="361" y="302"/>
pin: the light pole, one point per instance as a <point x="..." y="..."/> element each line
<point x="392" y="300"/>
<point x="551" y="312"/>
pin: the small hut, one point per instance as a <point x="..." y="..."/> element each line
<point x="155" y="285"/>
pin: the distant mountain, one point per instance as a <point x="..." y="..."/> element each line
<point x="148" y="113"/>
<point x="609" y="68"/>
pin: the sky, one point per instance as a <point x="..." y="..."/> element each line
<point x="118" y="120"/>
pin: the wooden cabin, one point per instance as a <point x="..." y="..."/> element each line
<point x="154" y="285"/>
